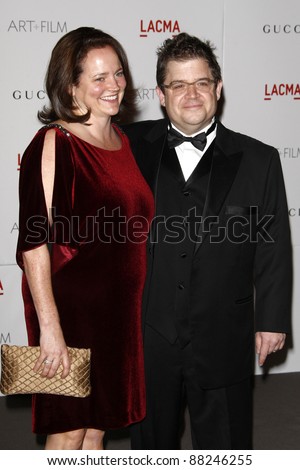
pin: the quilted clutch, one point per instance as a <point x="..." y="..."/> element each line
<point x="18" y="376"/>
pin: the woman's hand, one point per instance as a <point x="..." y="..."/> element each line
<point x="53" y="353"/>
<point x="53" y="347"/>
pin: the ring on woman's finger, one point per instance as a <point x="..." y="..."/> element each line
<point x="47" y="361"/>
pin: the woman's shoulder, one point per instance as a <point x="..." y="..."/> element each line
<point x="48" y="130"/>
<point x="55" y="128"/>
<point x="53" y="136"/>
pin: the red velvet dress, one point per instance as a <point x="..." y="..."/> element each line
<point x="102" y="209"/>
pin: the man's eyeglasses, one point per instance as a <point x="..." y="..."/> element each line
<point x="204" y="85"/>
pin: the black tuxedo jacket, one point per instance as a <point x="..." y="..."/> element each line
<point x="242" y="268"/>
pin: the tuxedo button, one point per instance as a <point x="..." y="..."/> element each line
<point x="181" y="286"/>
<point x="183" y="254"/>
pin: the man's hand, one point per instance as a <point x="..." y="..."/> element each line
<point x="267" y="343"/>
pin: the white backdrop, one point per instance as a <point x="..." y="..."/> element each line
<point x="257" y="46"/>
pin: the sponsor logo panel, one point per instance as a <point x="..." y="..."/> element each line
<point x="158" y="26"/>
<point x="36" y="26"/>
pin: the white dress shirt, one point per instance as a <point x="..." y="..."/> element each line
<point x="188" y="155"/>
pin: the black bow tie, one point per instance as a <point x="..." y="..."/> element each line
<point x="199" y="140"/>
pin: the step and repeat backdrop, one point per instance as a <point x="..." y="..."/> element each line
<point x="258" y="46"/>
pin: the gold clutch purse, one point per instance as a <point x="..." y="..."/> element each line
<point x="18" y="376"/>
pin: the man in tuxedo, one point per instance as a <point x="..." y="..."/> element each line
<point x="219" y="276"/>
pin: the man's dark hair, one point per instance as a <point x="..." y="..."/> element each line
<point x="184" y="47"/>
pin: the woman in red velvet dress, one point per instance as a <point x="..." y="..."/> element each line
<point x="85" y="211"/>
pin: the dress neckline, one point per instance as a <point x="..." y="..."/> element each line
<point x="71" y="134"/>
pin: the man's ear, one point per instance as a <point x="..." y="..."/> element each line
<point x="219" y="89"/>
<point x="161" y="96"/>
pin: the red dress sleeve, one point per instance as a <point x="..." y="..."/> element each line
<point x="34" y="227"/>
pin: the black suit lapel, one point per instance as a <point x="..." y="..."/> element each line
<point x="223" y="172"/>
<point x="171" y="162"/>
<point x="203" y="167"/>
<point x="148" y="152"/>
<point x="149" y="160"/>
